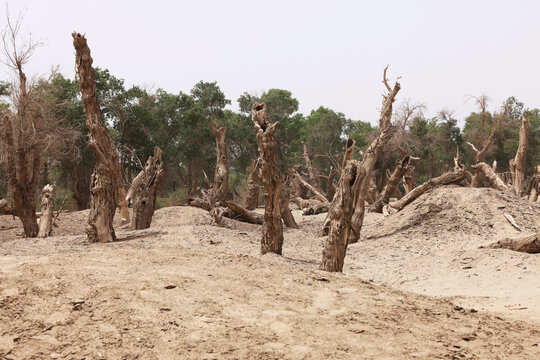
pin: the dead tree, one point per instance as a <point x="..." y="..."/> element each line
<point x="330" y="188"/>
<point x="220" y="189"/>
<point x="272" y="229"/>
<point x="475" y="182"/>
<point x="47" y="209"/>
<point x="401" y="168"/>
<point x="231" y="211"/>
<point x="533" y="189"/>
<point x="445" y="179"/>
<point x="529" y="244"/>
<point x="308" y="186"/>
<point x="313" y="176"/>
<point x="517" y="164"/>
<point x="252" y="197"/>
<point x="5" y="209"/>
<point x="143" y="211"/>
<point x="491" y="176"/>
<point x="107" y="175"/>
<point x="340" y="215"/>
<point x="372" y="153"/>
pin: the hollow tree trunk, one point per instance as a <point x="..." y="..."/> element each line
<point x="313" y="176"/>
<point x="220" y="189"/>
<point x="143" y="211"/>
<point x="371" y="155"/>
<point x="517" y="164"/>
<point x="529" y="244"/>
<point x="252" y="197"/>
<point x="340" y="215"/>
<point x="272" y="229"/>
<point x="107" y="175"/>
<point x="47" y="208"/>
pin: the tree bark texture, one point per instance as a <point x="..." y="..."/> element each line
<point x="143" y="211"/>
<point x="252" y="197"/>
<point x="313" y="175"/>
<point x="272" y="239"/>
<point x="517" y="164"/>
<point x="107" y="175"/>
<point x="340" y="215"/>
<point x="529" y="244"/>
<point x="330" y="188"/>
<point x="47" y="208"/>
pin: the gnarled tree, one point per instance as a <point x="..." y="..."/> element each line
<point x="107" y="175"/>
<point x="146" y="192"/>
<point x="517" y="164"/>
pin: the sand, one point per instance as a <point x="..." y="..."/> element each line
<point x="416" y="285"/>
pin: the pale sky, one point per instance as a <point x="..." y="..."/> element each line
<point x="329" y="53"/>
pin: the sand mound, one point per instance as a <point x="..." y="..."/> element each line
<point x="472" y="211"/>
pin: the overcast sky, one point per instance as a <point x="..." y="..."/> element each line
<point x="329" y="53"/>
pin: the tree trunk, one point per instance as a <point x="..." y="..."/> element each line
<point x="146" y="192"/>
<point x="477" y="178"/>
<point x="252" y="197"/>
<point x="81" y="186"/>
<point x="371" y="155"/>
<point x="494" y="179"/>
<point x="107" y="175"/>
<point x="47" y="208"/>
<point x="220" y="189"/>
<point x="533" y="189"/>
<point x="331" y="189"/>
<point x="517" y="164"/>
<point x="313" y="176"/>
<point x="444" y="179"/>
<point x="272" y="239"/>
<point x="239" y="213"/>
<point x="286" y="214"/>
<point x="529" y="244"/>
<point x="5" y="209"/>
<point x="340" y="215"/>
<point x="23" y="172"/>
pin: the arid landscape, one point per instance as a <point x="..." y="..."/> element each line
<point x="416" y="285"/>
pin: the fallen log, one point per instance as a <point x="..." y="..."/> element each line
<point x="528" y="244"/>
<point x="228" y="209"/>
<point x="494" y="179"/>
<point x="315" y="193"/>
<point x="444" y="179"/>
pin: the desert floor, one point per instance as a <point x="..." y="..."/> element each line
<point x="416" y="285"/>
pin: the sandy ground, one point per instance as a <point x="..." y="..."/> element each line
<point x="415" y="286"/>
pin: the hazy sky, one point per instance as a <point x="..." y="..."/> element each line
<point x="329" y="53"/>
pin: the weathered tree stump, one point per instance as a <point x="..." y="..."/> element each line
<point x="47" y="208"/>
<point x="143" y="211"/>
<point x="107" y="175"/>
<point x="517" y="164"/>
<point x="313" y="175"/>
<point x="340" y="215"/>
<point x="272" y="229"/>
<point x="220" y="189"/>
<point x="491" y="176"/>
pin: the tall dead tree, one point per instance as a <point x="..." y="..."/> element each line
<point x="517" y="164"/>
<point x="313" y="175"/>
<point x="143" y="211"/>
<point x="340" y="216"/>
<point x="252" y="197"/>
<point x="47" y="208"/>
<point x="220" y="189"/>
<point x="491" y="176"/>
<point x="480" y="154"/>
<point x="372" y="153"/>
<point x="272" y="228"/>
<point x="107" y="175"/>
